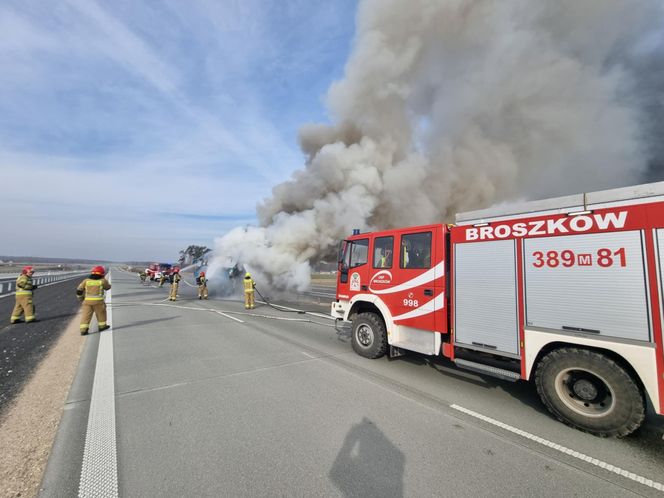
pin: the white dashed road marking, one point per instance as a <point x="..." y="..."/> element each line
<point x="562" y="449"/>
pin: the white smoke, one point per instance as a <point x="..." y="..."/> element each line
<point x="450" y="105"/>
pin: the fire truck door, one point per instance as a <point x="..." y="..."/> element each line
<point x="353" y="268"/>
<point x="412" y="298"/>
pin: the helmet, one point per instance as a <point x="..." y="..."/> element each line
<point x="27" y="269"/>
<point x="248" y="275"/>
<point x="98" y="270"/>
<point x="176" y="270"/>
<point x="202" y="274"/>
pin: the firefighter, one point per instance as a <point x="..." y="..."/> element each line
<point x="24" y="304"/>
<point x="379" y="259"/>
<point x="385" y="259"/>
<point x="175" y="281"/>
<point x="162" y="279"/>
<point x="91" y="292"/>
<point x="142" y="276"/>
<point x="249" y="285"/>
<point x="405" y="248"/>
<point x="202" y="286"/>
<point x="388" y="258"/>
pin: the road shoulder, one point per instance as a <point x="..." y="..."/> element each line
<point x="28" y="428"/>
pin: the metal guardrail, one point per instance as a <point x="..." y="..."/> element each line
<point x="8" y="284"/>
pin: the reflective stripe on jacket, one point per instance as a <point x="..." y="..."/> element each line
<point x="94" y="289"/>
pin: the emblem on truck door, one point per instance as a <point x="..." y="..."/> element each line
<point x="355" y="282"/>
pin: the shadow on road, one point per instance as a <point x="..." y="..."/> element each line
<point x="368" y="464"/>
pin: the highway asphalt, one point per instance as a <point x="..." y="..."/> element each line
<point x="24" y="345"/>
<point x="210" y="400"/>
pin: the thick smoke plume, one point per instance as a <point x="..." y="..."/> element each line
<point x="451" y="105"/>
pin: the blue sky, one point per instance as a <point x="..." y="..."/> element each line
<point x="131" y="129"/>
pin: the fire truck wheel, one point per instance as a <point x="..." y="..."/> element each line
<point x="369" y="335"/>
<point x="590" y="391"/>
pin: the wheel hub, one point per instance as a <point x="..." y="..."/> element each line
<point x="364" y="335"/>
<point x="585" y="390"/>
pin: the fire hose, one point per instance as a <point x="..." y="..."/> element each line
<point x="281" y="308"/>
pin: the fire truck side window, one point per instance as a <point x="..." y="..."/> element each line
<point x="383" y="247"/>
<point x="416" y="250"/>
<point x="359" y="252"/>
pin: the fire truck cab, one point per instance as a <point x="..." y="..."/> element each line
<point x="566" y="292"/>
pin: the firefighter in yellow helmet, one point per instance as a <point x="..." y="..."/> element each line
<point x="24" y="304"/>
<point x="202" y="286"/>
<point x="175" y="282"/>
<point x="249" y="285"/>
<point x="91" y="292"/>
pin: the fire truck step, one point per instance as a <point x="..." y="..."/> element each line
<point x="487" y="370"/>
<point x="396" y="352"/>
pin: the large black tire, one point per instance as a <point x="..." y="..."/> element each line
<point x="591" y="392"/>
<point x="369" y="335"/>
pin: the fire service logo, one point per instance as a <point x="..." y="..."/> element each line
<point x="355" y="282"/>
<point x="382" y="277"/>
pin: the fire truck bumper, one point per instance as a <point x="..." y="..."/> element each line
<point x="339" y="309"/>
<point x="341" y="325"/>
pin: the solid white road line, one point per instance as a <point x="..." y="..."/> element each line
<point x="99" y="472"/>
<point x="228" y="316"/>
<point x="594" y="461"/>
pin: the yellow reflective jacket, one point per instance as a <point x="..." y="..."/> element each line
<point x="24" y="285"/>
<point x="93" y="289"/>
<point x="249" y="285"/>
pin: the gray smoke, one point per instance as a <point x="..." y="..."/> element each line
<point x="450" y="105"/>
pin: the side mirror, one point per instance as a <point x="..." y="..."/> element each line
<point x="343" y="273"/>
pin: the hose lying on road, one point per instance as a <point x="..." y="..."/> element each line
<point x="280" y="308"/>
<point x="277" y="307"/>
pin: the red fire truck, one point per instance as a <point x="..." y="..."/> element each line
<point x="156" y="270"/>
<point x="566" y="292"/>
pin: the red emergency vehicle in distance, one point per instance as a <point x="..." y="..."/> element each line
<point x="156" y="270"/>
<point x="566" y="292"/>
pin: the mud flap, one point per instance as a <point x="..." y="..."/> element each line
<point x="396" y="352"/>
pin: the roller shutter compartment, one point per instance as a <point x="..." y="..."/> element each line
<point x="485" y="296"/>
<point x="592" y="283"/>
